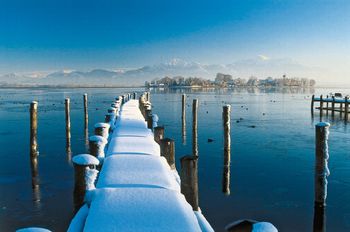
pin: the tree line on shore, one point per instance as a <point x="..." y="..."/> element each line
<point x="226" y="80"/>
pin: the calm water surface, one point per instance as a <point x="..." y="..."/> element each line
<point x="272" y="155"/>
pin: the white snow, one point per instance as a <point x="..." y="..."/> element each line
<point x="264" y="227"/>
<point x="132" y="145"/>
<point x="90" y="177"/>
<point x="78" y="222"/>
<point x="137" y="171"/>
<point x="140" y="209"/>
<point x="102" y="125"/>
<point x="85" y="159"/>
<point x="132" y="132"/>
<point x="33" y="229"/>
<point x="98" y="139"/>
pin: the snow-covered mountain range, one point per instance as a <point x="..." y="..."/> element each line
<point x="261" y="67"/>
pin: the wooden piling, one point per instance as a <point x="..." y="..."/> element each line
<point x="97" y="144"/>
<point x="134" y="95"/>
<point x="327" y="107"/>
<point x="346" y="109"/>
<point x="321" y="174"/>
<point x="158" y="133"/>
<point x="167" y="149"/>
<point x="194" y="128"/>
<point x="102" y="129"/>
<point x="333" y="105"/>
<point x="82" y="163"/>
<point x="33" y="129"/>
<point x="226" y="115"/>
<point x="67" y="114"/>
<point x="312" y="104"/>
<point x="183" y="118"/>
<point x="86" y="114"/>
<point x="321" y="162"/>
<point x="321" y="106"/>
<point x="189" y="180"/>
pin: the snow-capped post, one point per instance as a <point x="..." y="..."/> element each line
<point x="86" y="110"/>
<point x="85" y="175"/>
<point x="109" y="118"/>
<point x="321" y="106"/>
<point x="346" y="108"/>
<point x="134" y="95"/>
<point x="189" y="180"/>
<point x="102" y="129"/>
<point x="111" y="110"/>
<point x="226" y="114"/>
<point x="333" y="105"/>
<point x="321" y="174"/>
<point x="167" y="149"/>
<point x="158" y="133"/>
<point x="97" y="145"/>
<point x="123" y="99"/>
<point x="33" y="129"/>
<point x="67" y="114"/>
<point x="194" y="127"/>
<point x="312" y="104"/>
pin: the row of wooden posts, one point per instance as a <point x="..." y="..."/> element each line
<point x="343" y="105"/>
<point x="189" y="163"/>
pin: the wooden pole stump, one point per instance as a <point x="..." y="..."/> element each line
<point x="321" y="174"/>
<point x="189" y="180"/>
<point x="102" y="129"/>
<point x="97" y="145"/>
<point x="226" y="115"/>
<point x="33" y="129"/>
<point x="312" y="104"/>
<point x="195" y="128"/>
<point x="333" y="106"/>
<point x="346" y="110"/>
<point x="83" y="164"/>
<point x="158" y="133"/>
<point x="167" y="149"/>
<point x="86" y="114"/>
<point x="68" y="134"/>
<point x="183" y="118"/>
<point x="321" y="106"/>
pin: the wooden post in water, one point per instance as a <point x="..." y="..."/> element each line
<point x="167" y="149"/>
<point x="321" y="174"/>
<point x="226" y="115"/>
<point x="321" y="106"/>
<point x="33" y="129"/>
<point x="102" y="129"/>
<point x="67" y="114"/>
<point x="183" y="118"/>
<point x="327" y="107"/>
<point x="158" y="133"/>
<point x="346" y="109"/>
<point x="194" y="128"/>
<point x="333" y="105"/>
<point x="97" y="144"/>
<point x="86" y="114"/>
<point x="312" y="104"/>
<point x="83" y="164"/>
<point x="134" y="95"/>
<point x="189" y="180"/>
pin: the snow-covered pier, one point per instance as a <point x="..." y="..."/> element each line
<point x="136" y="189"/>
<point x="333" y="104"/>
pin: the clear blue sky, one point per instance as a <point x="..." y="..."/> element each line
<point x="51" y="35"/>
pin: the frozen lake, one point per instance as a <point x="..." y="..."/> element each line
<point x="272" y="155"/>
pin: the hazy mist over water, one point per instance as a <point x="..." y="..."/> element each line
<point x="272" y="154"/>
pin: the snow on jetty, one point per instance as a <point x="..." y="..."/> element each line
<point x="136" y="189"/>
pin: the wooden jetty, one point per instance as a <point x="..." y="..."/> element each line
<point x="138" y="187"/>
<point x="332" y="104"/>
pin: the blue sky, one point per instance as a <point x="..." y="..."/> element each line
<point x="49" y="35"/>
